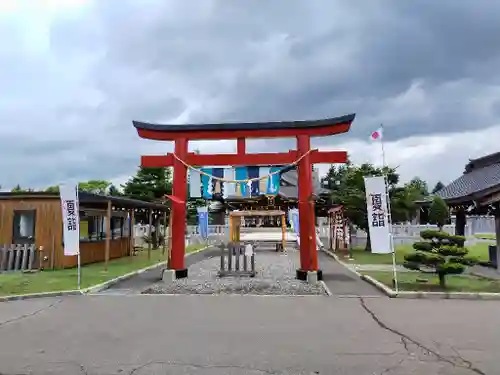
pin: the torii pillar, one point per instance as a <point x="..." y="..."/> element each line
<point x="301" y="130"/>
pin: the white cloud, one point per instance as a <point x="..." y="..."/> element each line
<point x="75" y="73"/>
<point x="439" y="157"/>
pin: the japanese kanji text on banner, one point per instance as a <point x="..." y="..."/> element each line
<point x="378" y="225"/>
<point x="71" y="219"/>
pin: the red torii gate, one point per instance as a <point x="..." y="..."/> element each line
<point x="301" y="130"/>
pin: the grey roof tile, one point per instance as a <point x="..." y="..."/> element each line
<point x="472" y="182"/>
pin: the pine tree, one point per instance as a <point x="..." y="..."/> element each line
<point x="113" y="191"/>
<point x="149" y="184"/>
<point x="438" y="187"/>
<point x="439" y="212"/>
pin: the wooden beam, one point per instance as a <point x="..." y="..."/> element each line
<point x="493" y="198"/>
<point x="256" y="213"/>
<point x="284" y="158"/>
<point x="328" y="157"/>
<point x="108" y="236"/>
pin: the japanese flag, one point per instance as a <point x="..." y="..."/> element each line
<point x="376" y="135"/>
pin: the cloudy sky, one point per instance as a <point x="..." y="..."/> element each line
<point x="75" y="73"/>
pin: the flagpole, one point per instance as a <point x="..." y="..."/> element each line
<point x="79" y="263"/>
<point x="389" y="215"/>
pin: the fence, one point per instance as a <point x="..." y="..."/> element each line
<point x="479" y="224"/>
<point x="216" y="233"/>
<point x="18" y="258"/>
<point x="403" y="234"/>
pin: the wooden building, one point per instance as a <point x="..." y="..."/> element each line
<point x="35" y="218"/>
<point x="475" y="192"/>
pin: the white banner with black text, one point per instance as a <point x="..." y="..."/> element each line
<point x="71" y="219"/>
<point x="378" y="223"/>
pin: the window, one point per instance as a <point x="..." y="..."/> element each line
<point x="91" y="228"/>
<point x="116" y="227"/>
<point x="24" y="225"/>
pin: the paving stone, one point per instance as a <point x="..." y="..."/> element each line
<point x="275" y="276"/>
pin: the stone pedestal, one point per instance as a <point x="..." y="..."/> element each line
<point x="311" y="277"/>
<point x="168" y="276"/>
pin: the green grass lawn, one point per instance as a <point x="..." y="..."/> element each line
<point x="66" y="279"/>
<point x="480" y="251"/>
<point x="486" y="236"/>
<point x="407" y="281"/>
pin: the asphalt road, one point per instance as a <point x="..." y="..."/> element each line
<point x="138" y="334"/>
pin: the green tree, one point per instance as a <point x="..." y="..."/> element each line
<point x="17" y="189"/>
<point x="418" y="186"/>
<point x="348" y="189"/>
<point x="149" y="184"/>
<point x="52" y="189"/>
<point x="403" y="199"/>
<point x="439" y="213"/>
<point x="438" y="187"/>
<point x="403" y="206"/>
<point x="94" y="186"/>
<point x="440" y="253"/>
<point x="113" y="191"/>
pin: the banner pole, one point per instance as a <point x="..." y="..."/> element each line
<point x="389" y="215"/>
<point x="79" y="268"/>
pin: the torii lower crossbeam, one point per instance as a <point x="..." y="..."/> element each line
<point x="301" y="130"/>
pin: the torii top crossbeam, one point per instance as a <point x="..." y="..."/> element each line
<point x="281" y="129"/>
<point x="303" y="157"/>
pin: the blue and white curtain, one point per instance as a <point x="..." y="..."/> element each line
<point x="293" y="219"/>
<point x="203" y="222"/>
<point x="203" y="185"/>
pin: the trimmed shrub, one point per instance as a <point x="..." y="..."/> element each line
<point x="441" y="253"/>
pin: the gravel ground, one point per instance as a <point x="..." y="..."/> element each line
<point x="275" y="276"/>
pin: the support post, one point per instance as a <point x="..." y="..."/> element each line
<point x="283" y="232"/>
<point x="169" y="248"/>
<point x="497" y="232"/>
<point x="308" y="253"/>
<point x="150" y="232"/>
<point x="461" y="220"/>
<point x="164" y="233"/>
<point x="108" y="236"/>
<point x="179" y="222"/>
<point x="131" y="230"/>
<point x="231" y="228"/>
<point x="241" y="146"/>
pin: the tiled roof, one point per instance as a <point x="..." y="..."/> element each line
<point x="472" y="182"/>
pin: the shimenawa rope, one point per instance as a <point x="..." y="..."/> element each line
<point x="246" y="180"/>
